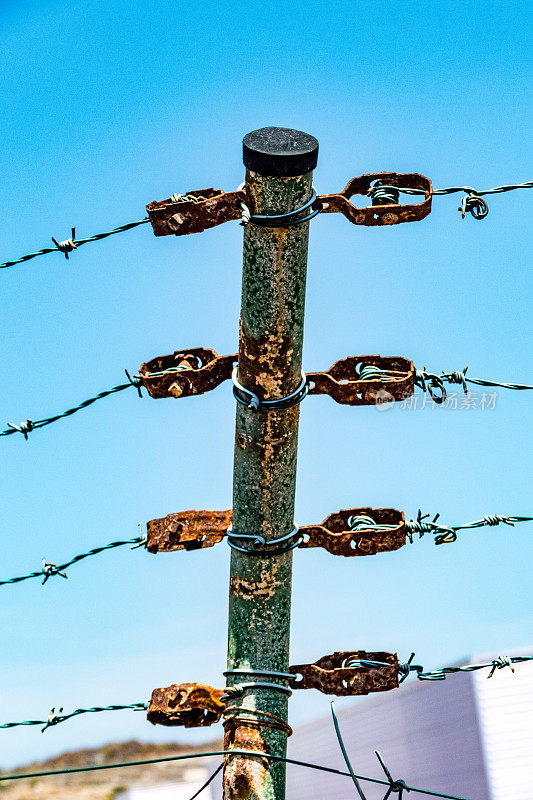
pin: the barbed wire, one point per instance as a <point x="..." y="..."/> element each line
<point x="26" y="427"/>
<point x="405" y="668"/>
<point x="210" y="754"/>
<point x="68" y="245"/>
<point x="428" y="381"/>
<point x="55" y="719"/>
<point x="445" y="533"/>
<point x="49" y="570"/>
<point x="448" y="533"/>
<point x="472" y="202"/>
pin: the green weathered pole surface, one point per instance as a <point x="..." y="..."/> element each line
<point x="270" y="363"/>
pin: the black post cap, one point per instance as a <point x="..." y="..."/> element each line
<point x="280" y="152"/>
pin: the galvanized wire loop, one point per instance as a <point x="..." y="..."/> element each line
<point x="431" y="383"/>
<point x="240" y="688"/>
<point x="264" y="547"/>
<point x="236" y="715"/>
<point x="249" y="399"/>
<point x="284" y="220"/>
<point x="475" y="204"/>
<point x="263" y="672"/>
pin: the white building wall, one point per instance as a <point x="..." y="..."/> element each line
<point x="505" y="710"/>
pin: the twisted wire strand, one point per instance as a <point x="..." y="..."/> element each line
<point x="68" y="245"/>
<point x="428" y="381"/>
<point x="382" y="187"/>
<point x="49" y="570"/>
<point x="27" y="427"/>
<point x="55" y="719"/>
<point x="448" y="533"/>
<point x="472" y="201"/>
<point x="209" y="754"/>
<point x="405" y="668"/>
<point x="498" y="663"/>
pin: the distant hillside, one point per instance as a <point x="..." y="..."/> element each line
<point x="104" y="784"/>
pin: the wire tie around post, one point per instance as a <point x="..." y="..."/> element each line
<point x="282" y="220"/>
<point x="249" y="399"/>
<point x="257" y="539"/>
<point x="66" y="246"/>
<point x="240" y="688"/>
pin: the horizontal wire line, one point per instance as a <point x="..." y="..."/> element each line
<point x="72" y="244"/>
<point x="56" y="719"/>
<point x="367" y="373"/>
<point x="69" y="245"/>
<point x="223" y="753"/>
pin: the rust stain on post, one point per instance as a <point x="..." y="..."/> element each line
<point x="270" y="362"/>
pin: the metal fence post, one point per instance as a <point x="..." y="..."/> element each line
<point x="278" y="179"/>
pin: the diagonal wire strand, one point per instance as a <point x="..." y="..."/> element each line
<point x="26" y="427"/>
<point x="48" y="569"/>
<point x="72" y="244"/>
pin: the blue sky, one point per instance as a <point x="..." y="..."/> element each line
<point x="110" y="105"/>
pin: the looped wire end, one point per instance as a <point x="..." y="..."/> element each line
<point x="68" y="245"/>
<point x="475" y="204"/>
<point x="427" y="381"/>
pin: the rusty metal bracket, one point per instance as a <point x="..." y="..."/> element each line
<point x="376" y="530"/>
<point x="200" y="369"/>
<point x="337" y="536"/>
<point x="331" y="675"/>
<point x="389" y="214"/>
<point x="187" y="530"/>
<point x="186" y="372"/>
<point x="343" y="383"/>
<point x="189" y="704"/>
<point x="195" y="211"/>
